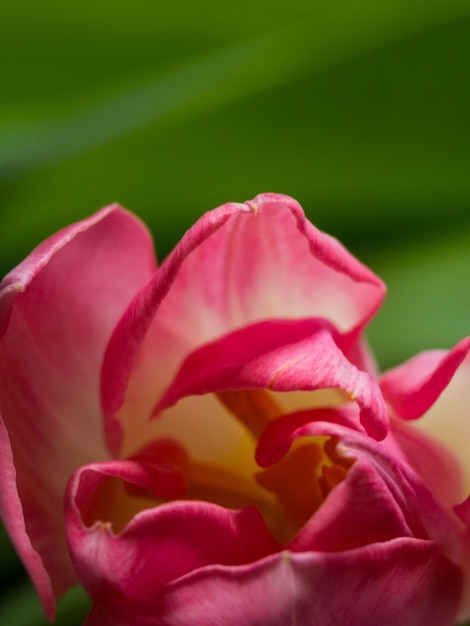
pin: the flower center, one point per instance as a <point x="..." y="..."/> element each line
<point x="286" y="494"/>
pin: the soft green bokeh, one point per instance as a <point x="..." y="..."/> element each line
<point x="359" y="109"/>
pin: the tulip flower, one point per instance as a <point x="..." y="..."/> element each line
<point x="208" y="442"/>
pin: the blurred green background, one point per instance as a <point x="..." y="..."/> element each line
<point x="358" y="109"/>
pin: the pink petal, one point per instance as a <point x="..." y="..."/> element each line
<point x="57" y="310"/>
<point x="159" y="544"/>
<point x="463" y="511"/>
<point x="364" y="507"/>
<point x="404" y="581"/>
<point x="240" y="264"/>
<point x="436" y="386"/>
<point x="280" y="434"/>
<point x="424" y="454"/>
<point x="12" y="514"/>
<point x="283" y="356"/>
<point x="359" y="511"/>
<point x="410" y="505"/>
<point x="412" y="388"/>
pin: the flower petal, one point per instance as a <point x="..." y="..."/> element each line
<point x="282" y="356"/>
<point x="437" y="466"/>
<point x="159" y="544"/>
<point x="416" y="511"/>
<point x="359" y="511"/>
<point x="463" y="511"/>
<point x="404" y="581"/>
<point x="435" y="387"/>
<point x="240" y="264"/>
<point x="412" y="388"/>
<point x="13" y="516"/>
<point x="57" y="311"/>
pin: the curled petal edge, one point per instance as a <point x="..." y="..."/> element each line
<point x="412" y="388"/>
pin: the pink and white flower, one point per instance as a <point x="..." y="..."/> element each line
<point x="218" y="435"/>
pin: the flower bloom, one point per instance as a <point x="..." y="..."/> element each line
<point x="208" y="442"/>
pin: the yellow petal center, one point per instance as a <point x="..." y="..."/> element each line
<point x="286" y="494"/>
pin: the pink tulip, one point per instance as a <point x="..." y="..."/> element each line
<point x="217" y="431"/>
